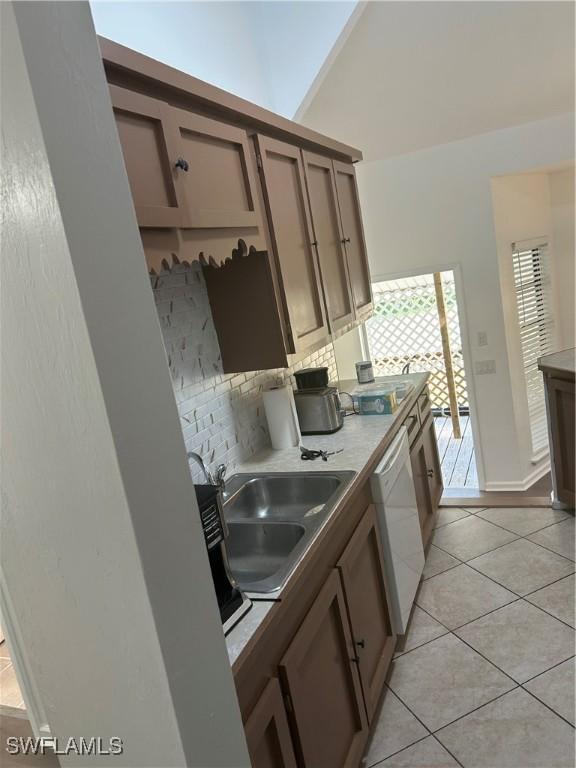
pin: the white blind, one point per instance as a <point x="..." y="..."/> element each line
<point x="536" y="321"/>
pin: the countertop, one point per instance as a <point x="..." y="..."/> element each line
<point x="559" y="361"/>
<point x="360" y="439"/>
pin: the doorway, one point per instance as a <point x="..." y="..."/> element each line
<point x="416" y="327"/>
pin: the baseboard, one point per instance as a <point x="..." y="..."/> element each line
<point x="515" y="486"/>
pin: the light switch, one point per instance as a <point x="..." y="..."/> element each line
<point x="482" y="339"/>
<point x="482" y="367"/>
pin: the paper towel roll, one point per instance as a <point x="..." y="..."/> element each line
<point x="281" y="416"/>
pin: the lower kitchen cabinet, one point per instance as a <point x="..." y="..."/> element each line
<point x="362" y="570"/>
<point x="427" y="476"/>
<point x="267" y="731"/>
<point x="321" y="677"/>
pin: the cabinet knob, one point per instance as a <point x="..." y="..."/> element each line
<point x="182" y="164"/>
<point x="314" y="243"/>
<point x="361" y="643"/>
<point x="430" y="472"/>
<point x="346" y="240"/>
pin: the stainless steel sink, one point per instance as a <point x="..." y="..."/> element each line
<point x="272" y="519"/>
<point x="257" y="551"/>
<point x="284" y="497"/>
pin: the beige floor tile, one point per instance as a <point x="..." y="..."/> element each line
<point x="421" y="629"/>
<point x="444" y="680"/>
<point x="438" y="561"/>
<point x="559" y="538"/>
<point x="449" y="515"/>
<point x="4" y="653"/>
<point x="516" y="731"/>
<point x="557" y="599"/>
<point x="473" y="510"/>
<point x="19" y="727"/>
<point x="523" y="520"/>
<point x="523" y="566"/>
<point x="427" y="753"/>
<point x="395" y="729"/>
<point x="10" y="695"/>
<point x="556" y="689"/>
<point x="470" y="537"/>
<point x="461" y="595"/>
<point x="3" y="664"/>
<point x="520" y="639"/>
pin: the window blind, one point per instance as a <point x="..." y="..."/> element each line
<point x="536" y="322"/>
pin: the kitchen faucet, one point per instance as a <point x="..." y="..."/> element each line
<point x="212" y="479"/>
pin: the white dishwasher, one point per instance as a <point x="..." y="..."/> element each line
<point x="395" y="499"/>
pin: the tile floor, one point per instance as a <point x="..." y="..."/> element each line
<point x="484" y="677"/>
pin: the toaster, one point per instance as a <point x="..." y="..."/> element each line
<point x="319" y="410"/>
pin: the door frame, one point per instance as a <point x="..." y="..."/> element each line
<point x="34" y="711"/>
<point x="456" y="269"/>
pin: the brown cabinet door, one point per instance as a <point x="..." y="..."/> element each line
<point x="329" y="239"/>
<point x="150" y="146"/>
<point x="362" y="570"/>
<point x="351" y="218"/>
<point x="433" y="469"/>
<point x="324" y="686"/>
<point x="427" y="477"/>
<point x="218" y="179"/>
<point x="267" y="731"/>
<point x="561" y="417"/>
<point x="291" y="234"/>
<point x="423" y="498"/>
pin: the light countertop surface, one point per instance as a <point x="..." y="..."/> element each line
<point x="561" y="361"/>
<point x="359" y="439"/>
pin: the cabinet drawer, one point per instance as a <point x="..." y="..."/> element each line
<point x="412" y="424"/>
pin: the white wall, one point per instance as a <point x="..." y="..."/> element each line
<point x="433" y="208"/>
<point x="213" y="41"/>
<point x="266" y="52"/>
<point x="562" y="222"/>
<point x="103" y="556"/>
<point x="521" y="212"/>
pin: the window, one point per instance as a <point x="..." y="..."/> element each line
<point x="535" y="318"/>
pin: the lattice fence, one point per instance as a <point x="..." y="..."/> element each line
<point x="405" y="329"/>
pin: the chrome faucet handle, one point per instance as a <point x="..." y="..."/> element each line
<point x="219" y="475"/>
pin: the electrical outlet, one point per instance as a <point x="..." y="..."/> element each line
<point x="482" y="338"/>
<point x="482" y="367"/>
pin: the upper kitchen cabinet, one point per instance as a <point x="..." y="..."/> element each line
<point x="353" y="237"/>
<point x="216" y="173"/>
<point x="283" y="182"/>
<point x="149" y="141"/>
<point x="329" y="239"/>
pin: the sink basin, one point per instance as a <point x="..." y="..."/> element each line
<point x="286" y="497"/>
<point x="257" y="551"/>
<point x="272" y="519"/>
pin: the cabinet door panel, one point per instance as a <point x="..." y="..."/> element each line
<point x="267" y="731"/>
<point x="324" y="684"/>
<point x="433" y="469"/>
<point x="291" y="234"/>
<point x="349" y="204"/>
<point x="149" y="145"/>
<point x="362" y="570"/>
<point x="219" y="183"/>
<point x="329" y="239"/>
<point x="561" y="418"/>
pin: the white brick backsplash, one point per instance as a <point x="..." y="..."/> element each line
<point x="222" y="415"/>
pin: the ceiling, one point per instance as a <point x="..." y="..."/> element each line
<point x="416" y="74"/>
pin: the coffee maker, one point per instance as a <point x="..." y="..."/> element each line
<point x="233" y="604"/>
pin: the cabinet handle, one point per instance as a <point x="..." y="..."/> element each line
<point x="361" y="643"/>
<point x="355" y="660"/>
<point x="430" y="472"/>
<point x="345" y="240"/>
<point x="182" y="164"/>
<point x="314" y="243"/>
